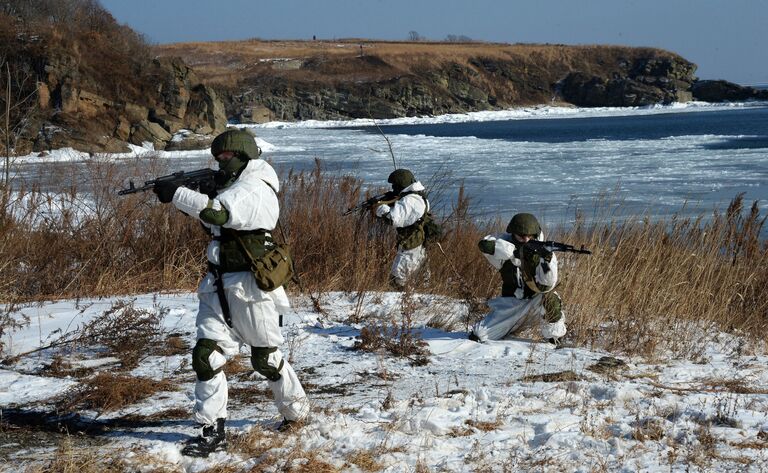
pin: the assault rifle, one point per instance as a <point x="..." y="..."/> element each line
<point x="386" y="198"/>
<point x="205" y="178"/>
<point x="551" y="246"/>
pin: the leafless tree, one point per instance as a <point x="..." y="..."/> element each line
<point x="17" y="105"/>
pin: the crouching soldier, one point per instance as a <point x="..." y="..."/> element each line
<point x="406" y="213"/>
<point x="233" y="310"/>
<point x="528" y="279"/>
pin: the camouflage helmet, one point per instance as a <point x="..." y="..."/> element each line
<point x="524" y="224"/>
<point x="400" y="179"/>
<point x="238" y="141"/>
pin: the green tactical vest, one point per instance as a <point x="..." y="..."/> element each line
<point x="232" y="258"/>
<point x="529" y="261"/>
<point x="412" y="236"/>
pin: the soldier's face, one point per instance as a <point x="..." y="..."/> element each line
<point x="224" y="156"/>
<point x="524" y="238"/>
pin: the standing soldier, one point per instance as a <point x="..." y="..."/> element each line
<point x="406" y="213"/>
<point x="233" y="310"/>
<point x="528" y="281"/>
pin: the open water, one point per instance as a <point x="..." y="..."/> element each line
<point x="684" y="159"/>
<point x="659" y="162"/>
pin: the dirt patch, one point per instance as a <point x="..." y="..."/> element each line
<point x="607" y="365"/>
<point x="553" y="377"/>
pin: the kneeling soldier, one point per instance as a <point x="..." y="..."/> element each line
<point x="528" y="282"/>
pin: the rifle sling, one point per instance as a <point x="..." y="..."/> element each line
<point x="214" y="269"/>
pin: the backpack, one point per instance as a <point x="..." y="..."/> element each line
<point x="432" y="230"/>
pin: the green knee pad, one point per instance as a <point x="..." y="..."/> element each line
<point x="203" y="349"/>
<point x="553" y="307"/>
<point x="260" y="362"/>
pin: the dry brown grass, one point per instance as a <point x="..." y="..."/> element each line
<point x="71" y="459"/>
<point x="365" y="460"/>
<point x="484" y="426"/>
<point x="662" y="285"/>
<point x="649" y="286"/>
<point x="228" y="62"/>
<point x="108" y="392"/>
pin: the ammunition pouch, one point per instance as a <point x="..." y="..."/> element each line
<point x="236" y="245"/>
<point x="272" y="267"/>
<point x="529" y="260"/>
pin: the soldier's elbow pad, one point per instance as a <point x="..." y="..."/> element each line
<point x="487" y="246"/>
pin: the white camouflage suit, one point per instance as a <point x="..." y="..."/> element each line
<point x="251" y="204"/>
<point x="404" y="213"/>
<point x="512" y="314"/>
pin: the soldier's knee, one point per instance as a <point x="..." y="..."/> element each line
<point x="201" y="359"/>
<point x="266" y="362"/>
<point x="553" y="307"/>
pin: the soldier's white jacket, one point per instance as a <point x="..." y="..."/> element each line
<point x="251" y="202"/>
<point x="546" y="272"/>
<point x="407" y="210"/>
<point x="403" y="213"/>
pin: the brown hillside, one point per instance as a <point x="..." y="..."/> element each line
<point x="77" y="78"/>
<point x="338" y="79"/>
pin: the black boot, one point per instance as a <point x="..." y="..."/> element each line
<point x="287" y="425"/>
<point x="211" y="439"/>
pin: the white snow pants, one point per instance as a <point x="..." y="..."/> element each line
<point x="510" y="315"/>
<point x="255" y="322"/>
<point x="407" y="262"/>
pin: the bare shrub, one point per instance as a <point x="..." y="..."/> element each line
<point x="174" y="345"/>
<point x="484" y="426"/>
<point x="649" y="428"/>
<point x="128" y="333"/>
<point x="395" y="340"/>
<point x="107" y="392"/>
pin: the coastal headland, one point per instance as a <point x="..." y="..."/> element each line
<point x="97" y="86"/>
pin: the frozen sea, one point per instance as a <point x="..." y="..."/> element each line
<point x="547" y="160"/>
<point x="552" y="161"/>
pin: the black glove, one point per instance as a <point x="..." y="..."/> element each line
<point x="538" y="248"/>
<point x="165" y="191"/>
<point x="209" y="188"/>
<point x="545" y="254"/>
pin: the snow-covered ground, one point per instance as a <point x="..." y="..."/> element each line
<point x="511" y="405"/>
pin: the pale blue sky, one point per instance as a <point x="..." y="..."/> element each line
<point x="725" y="38"/>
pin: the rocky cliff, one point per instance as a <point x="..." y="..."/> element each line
<point x="724" y="91"/>
<point x="317" y="80"/>
<point x="72" y="114"/>
<point x="81" y="80"/>
<point x="77" y="79"/>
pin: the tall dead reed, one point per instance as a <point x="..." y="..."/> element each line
<point x="650" y="285"/>
<point x="662" y="284"/>
<point x="71" y="243"/>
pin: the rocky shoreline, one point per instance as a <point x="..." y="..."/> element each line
<point x="93" y="97"/>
